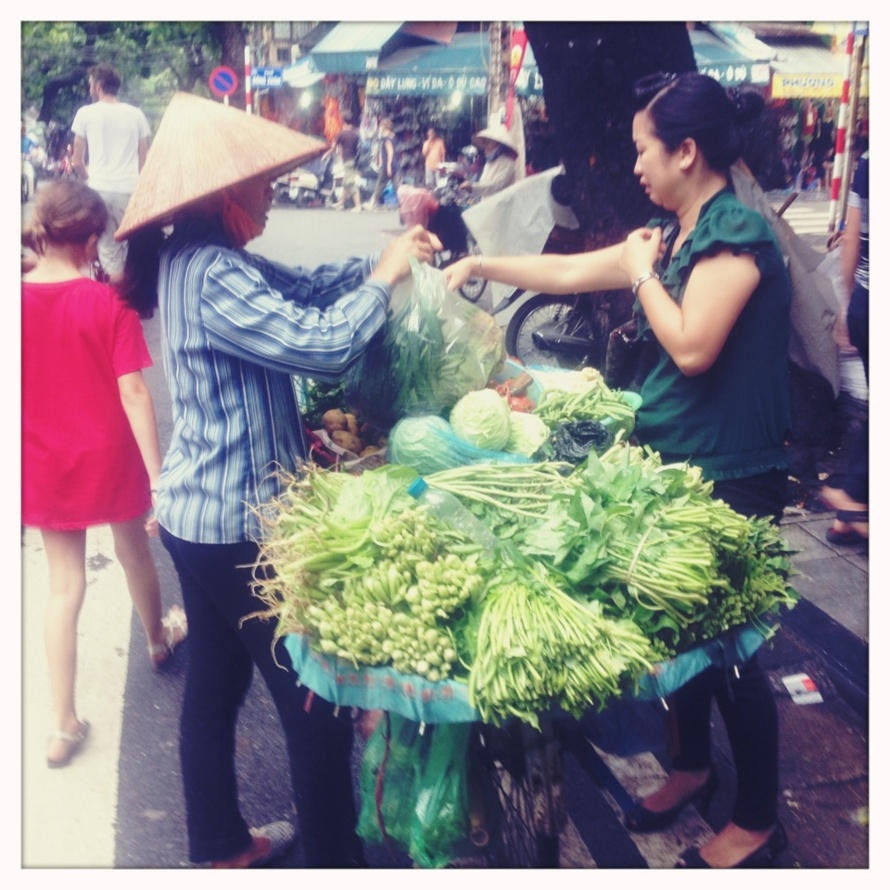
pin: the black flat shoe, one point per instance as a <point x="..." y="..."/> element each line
<point x="641" y="819"/>
<point x="762" y="857"/>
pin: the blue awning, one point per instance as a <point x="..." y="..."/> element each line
<point x="301" y="74"/>
<point x="462" y="65"/>
<point x="730" y="65"/>
<point x="353" y="47"/>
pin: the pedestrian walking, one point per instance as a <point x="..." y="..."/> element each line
<point x="386" y="159"/>
<point x="347" y="143"/>
<point x="90" y="452"/>
<point x="237" y="328"/>
<point x="848" y="496"/>
<point x="433" y="155"/>
<point x="113" y="136"/>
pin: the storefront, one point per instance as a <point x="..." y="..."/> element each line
<point x="447" y="87"/>
<point x="807" y="84"/>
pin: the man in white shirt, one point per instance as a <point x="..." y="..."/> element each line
<point x="115" y="137"/>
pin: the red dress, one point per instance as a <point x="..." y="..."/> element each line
<point x="80" y="462"/>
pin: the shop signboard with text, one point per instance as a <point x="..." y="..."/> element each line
<point x="426" y="84"/>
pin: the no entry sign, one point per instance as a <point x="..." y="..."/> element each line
<point x="223" y="81"/>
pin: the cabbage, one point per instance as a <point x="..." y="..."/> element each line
<point x="417" y="442"/>
<point x="527" y="433"/>
<point x="428" y="444"/>
<point x="482" y="418"/>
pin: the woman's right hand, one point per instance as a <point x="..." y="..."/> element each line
<point x="459" y="273"/>
<point x="394" y="265"/>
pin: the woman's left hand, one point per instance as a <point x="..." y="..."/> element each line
<point x="416" y="242"/>
<point x="642" y="250"/>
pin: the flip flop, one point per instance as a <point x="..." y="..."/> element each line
<point x="74" y="742"/>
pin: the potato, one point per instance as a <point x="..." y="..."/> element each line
<point x="351" y="423"/>
<point x="332" y="420"/>
<point x="346" y="440"/>
<point x="368" y="449"/>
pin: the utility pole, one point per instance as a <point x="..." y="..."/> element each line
<point x="499" y="69"/>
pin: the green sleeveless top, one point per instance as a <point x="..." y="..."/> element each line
<point x="733" y="419"/>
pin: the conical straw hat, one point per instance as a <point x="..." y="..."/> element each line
<point x="202" y="147"/>
<point x="499" y="134"/>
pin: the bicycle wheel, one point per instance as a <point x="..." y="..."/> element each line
<point x="473" y="288"/>
<point x="541" y="320"/>
<point x="524" y="769"/>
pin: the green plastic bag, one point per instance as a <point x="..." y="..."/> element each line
<point x="390" y="772"/>
<point x="413" y="790"/>
<point x="441" y="826"/>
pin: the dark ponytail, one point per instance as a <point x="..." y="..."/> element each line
<point x="695" y="106"/>
<point x="138" y="286"/>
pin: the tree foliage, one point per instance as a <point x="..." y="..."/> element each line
<point x="155" y="60"/>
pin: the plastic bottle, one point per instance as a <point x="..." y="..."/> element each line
<point x="445" y="506"/>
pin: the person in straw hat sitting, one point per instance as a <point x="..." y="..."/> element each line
<point x="236" y="329"/>
<point x="499" y="171"/>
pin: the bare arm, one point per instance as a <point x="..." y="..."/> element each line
<point x="143" y="152"/>
<point x="139" y="408"/>
<point x="849" y="260"/>
<point x="78" y="158"/>
<point x="850" y="250"/>
<point x="694" y="333"/>
<point x="718" y="289"/>
<point x="546" y="273"/>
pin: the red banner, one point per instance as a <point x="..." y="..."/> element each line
<point x="518" y="44"/>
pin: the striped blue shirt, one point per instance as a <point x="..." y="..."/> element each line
<point x="236" y="329"/>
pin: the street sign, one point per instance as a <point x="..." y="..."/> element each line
<point x="223" y="81"/>
<point x="266" y="77"/>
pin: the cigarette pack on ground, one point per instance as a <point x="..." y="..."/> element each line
<point x="802" y="689"/>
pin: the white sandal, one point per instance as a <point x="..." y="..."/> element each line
<point x="74" y="740"/>
<point x="161" y="653"/>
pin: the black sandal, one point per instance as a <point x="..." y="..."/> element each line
<point x="851" y="536"/>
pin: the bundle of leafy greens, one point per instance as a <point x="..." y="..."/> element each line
<point x="436" y="347"/>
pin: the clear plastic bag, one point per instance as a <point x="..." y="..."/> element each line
<point x="435" y="348"/>
<point x="427" y="443"/>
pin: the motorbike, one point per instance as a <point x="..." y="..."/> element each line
<point x="308" y="186"/>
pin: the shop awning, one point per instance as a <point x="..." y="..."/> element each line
<point x="808" y="71"/>
<point x="727" y="63"/>
<point x="301" y="74"/>
<point x="353" y="47"/>
<point x="462" y="65"/>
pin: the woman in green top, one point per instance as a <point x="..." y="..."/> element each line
<point x="712" y="290"/>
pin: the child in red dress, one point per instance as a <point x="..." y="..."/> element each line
<point x="90" y="452"/>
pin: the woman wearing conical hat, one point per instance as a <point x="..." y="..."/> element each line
<point x="236" y="329"/>
<point x="499" y="171"/>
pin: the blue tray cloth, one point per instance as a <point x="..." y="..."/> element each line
<point x="340" y="682"/>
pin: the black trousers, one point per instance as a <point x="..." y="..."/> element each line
<point x="745" y="702"/>
<point x="856" y="477"/>
<point x="216" y="591"/>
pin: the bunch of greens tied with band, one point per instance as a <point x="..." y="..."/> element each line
<point x="626" y="561"/>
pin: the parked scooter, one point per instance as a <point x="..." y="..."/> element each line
<point x="308" y="186"/>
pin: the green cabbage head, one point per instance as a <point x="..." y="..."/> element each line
<point x="527" y="433"/>
<point x="482" y="418"/>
